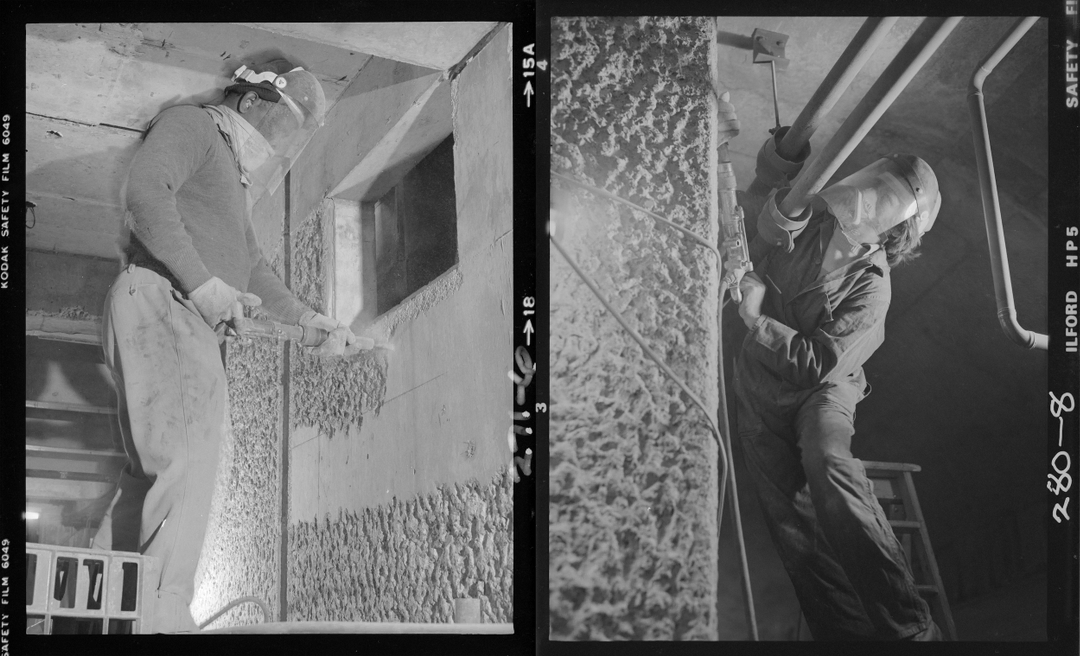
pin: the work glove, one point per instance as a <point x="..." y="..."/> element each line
<point x="733" y="275"/>
<point x="753" y="294"/>
<point x="218" y="302"/>
<point x="340" y="335"/>
<point x="727" y="121"/>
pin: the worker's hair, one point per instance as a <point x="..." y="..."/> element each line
<point x="901" y="242"/>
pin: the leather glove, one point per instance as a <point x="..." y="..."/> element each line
<point x="733" y="275"/>
<point x="217" y="301"/>
<point x="727" y="121"/>
<point x="753" y="293"/>
<point x="340" y="335"/>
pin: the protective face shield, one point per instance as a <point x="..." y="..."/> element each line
<point x="871" y="201"/>
<point x="286" y="128"/>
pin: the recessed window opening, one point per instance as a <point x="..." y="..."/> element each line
<point x="416" y="228"/>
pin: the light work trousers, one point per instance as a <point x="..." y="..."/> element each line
<point x="173" y="414"/>
<point x="848" y="569"/>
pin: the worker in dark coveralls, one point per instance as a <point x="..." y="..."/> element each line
<point x="815" y="308"/>
<point x="191" y="263"/>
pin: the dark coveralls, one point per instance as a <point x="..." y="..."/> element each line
<point x="797" y="378"/>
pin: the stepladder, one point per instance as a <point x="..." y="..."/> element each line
<point x="894" y="488"/>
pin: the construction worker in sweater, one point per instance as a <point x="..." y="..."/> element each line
<point x="815" y="308"/>
<point x="192" y="264"/>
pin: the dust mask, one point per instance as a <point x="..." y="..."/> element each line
<point x="249" y="146"/>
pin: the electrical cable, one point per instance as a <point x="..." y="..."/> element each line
<point x="653" y="215"/>
<point x="607" y="194"/>
<point x="659" y="362"/>
<point x="723" y="440"/>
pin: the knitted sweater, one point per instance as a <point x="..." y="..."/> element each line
<point x="190" y="211"/>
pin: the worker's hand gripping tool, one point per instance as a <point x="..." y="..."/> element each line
<point x="303" y="335"/>
<point x="733" y="239"/>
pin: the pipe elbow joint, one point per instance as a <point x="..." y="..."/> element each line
<point x="773" y="169"/>
<point x="1019" y="335"/>
<point x="978" y="77"/>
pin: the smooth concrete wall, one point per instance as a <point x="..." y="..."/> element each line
<point x="70" y="285"/>
<point x="633" y="487"/>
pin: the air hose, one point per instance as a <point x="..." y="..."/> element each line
<point x="236" y="602"/>
<point x="723" y="440"/>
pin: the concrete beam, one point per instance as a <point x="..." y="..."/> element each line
<point x="122" y="75"/>
<point x="41" y="489"/>
<point x="422" y="127"/>
<point x="366" y="111"/>
<point x="82" y="331"/>
<point x="483" y="156"/>
<point x="77" y="226"/>
<point x="434" y="45"/>
<point x="77" y="160"/>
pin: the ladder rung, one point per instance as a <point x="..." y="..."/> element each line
<point x="70" y="407"/>
<point x="898" y="467"/>
<point x="61" y="452"/>
<point x="927" y="589"/>
<point x="905" y="525"/>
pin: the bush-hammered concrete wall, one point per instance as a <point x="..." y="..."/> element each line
<point x="241" y="555"/>
<point x="407" y="561"/>
<point x="633" y="549"/>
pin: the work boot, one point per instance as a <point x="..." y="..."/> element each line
<point x="929" y="634"/>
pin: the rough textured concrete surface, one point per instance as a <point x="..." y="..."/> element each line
<point x="398" y="496"/>
<point x="241" y="554"/>
<point x="406" y="561"/>
<point x="633" y="548"/>
<point x="330" y="393"/>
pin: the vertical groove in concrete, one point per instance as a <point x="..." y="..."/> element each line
<point x="283" y="576"/>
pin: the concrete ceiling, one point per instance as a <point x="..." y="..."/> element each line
<point x="92" y="88"/>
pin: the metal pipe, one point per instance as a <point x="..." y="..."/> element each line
<point x="995" y="236"/>
<point x="896" y="77"/>
<point x="851" y="61"/>
<point x="775" y="100"/>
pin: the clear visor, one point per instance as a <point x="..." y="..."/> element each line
<point x="870" y="201"/>
<point x="287" y="129"/>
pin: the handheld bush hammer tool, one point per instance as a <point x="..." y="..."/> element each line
<point x="733" y="240"/>
<point x="303" y="335"/>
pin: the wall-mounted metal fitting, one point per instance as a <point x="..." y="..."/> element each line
<point x="769" y="47"/>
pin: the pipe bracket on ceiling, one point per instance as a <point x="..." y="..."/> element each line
<point x="768" y="47"/>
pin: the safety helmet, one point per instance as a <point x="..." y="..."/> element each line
<point x="293" y="86"/>
<point x="299" y="110"/>
<point x="873" y="200"/>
